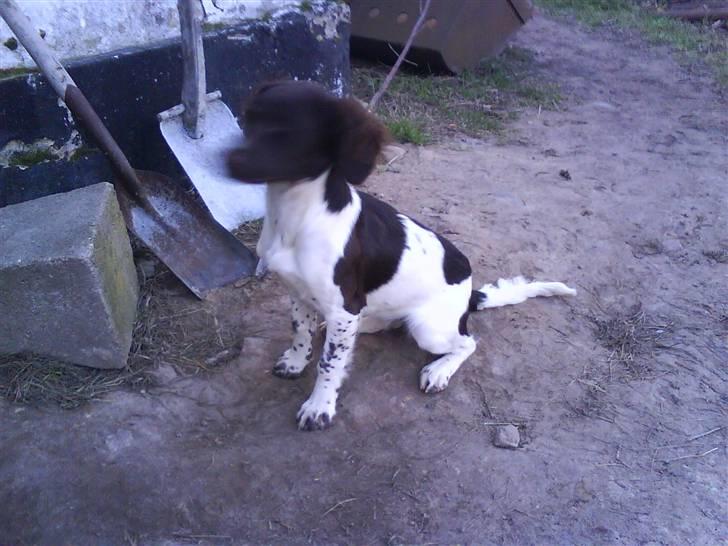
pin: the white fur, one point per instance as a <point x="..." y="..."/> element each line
<point x="302" y="241"/>
<point x="518" y="290"/>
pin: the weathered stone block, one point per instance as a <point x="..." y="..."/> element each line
<point x="68" y="287"/>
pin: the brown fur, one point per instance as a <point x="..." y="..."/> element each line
<point x="297" y="130"/>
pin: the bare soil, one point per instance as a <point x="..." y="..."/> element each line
<point x="620" y="395"/>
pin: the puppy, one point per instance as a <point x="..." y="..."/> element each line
<point x="344" y="254"/>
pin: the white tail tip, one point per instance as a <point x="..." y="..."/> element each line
<point x="517" y="290"/>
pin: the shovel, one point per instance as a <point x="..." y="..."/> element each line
<point x="173" y="224"/>
<point x="201" y="131"/>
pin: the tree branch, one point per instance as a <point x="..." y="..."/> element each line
<point x="415" y="30"/>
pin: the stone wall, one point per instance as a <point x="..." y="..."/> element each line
<point x="43" y="152"/>
<point x="77" y="29"/>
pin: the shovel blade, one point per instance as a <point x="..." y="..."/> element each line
<point x="183" y="234"/>
<point x="203" y="159"/>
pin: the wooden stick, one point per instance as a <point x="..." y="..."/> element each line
<point x="337" y="505"/>
<point x="711" y="431"/>
<point x="692" y="456"/>
<point x="193" y="63"/>
<point x="415" y="30"/>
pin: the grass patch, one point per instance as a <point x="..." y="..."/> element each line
<point x="693" y="42"/>
<point x="720" y="255"/>
<point x="28" y="158"/>
<point x="405" y="130"/>
<point x="421" y="107"/>
<point x="213" y="27"/>
<point x="82" y="152"/>
<point x="632" y="339"/>
<point x="33" y="379"/>
<point x="7" y="73"/>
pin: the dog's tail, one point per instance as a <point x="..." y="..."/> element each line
<point x="515" y="290"/>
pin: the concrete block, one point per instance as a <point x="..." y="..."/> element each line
<point x="68" y="287"/>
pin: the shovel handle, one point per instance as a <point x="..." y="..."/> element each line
<point x="193" y="62"/>
<point x="67" y="90"/>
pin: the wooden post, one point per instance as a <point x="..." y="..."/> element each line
<point x="193" y="58"/>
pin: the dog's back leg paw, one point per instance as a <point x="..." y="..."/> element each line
<point x="435" y="376"/>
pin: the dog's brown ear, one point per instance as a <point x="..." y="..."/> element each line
<point x="361" y="140"/>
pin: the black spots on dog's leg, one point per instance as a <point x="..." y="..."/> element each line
<point x="294" y="325"/>
<point x="331" y="351"/>
<point x="325" y="366"/>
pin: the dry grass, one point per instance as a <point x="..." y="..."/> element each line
<point x="632" y="339"/>
<point x="189" y="338"/>
<point x="720" y="255"/>
<point x="249" y="233"/>
<point x="32" y="379"/>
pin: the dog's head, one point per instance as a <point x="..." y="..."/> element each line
<point x="297" y="130"/>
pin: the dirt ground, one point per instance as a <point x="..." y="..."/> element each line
<point x="620" y="395"/>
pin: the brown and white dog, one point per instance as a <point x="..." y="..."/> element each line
<point x="344" y="254"/>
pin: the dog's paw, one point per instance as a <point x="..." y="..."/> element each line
<point x="288" y="367"/>
<point x="434" y="378"/>
<point x="284" y="372"/>
<point x="261" y="268"/>
<point x="316" y="414"/>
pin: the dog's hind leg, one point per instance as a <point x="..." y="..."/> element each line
<point x="303" y="320"/>
<point x="317" y="412"/>
<point x="435" y="376"/>
<point x="440" y="327"/>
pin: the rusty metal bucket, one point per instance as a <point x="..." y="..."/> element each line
<point x="457" y="34"/>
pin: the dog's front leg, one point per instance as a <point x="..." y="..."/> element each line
<point x="303" y="320"/>
<point x="317" y="412"/>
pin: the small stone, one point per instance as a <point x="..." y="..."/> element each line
<point x="601" y="105"/>
<point x="672" y="245"/>
<point x="507" y="436"/>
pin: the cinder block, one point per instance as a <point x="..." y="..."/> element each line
<point x="68" y="287"/>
